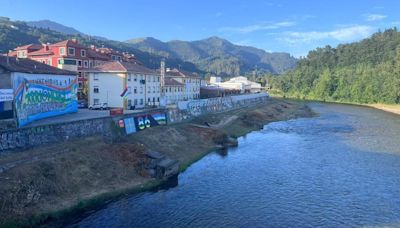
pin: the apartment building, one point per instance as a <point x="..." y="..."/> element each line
<point x="124" y="85"/>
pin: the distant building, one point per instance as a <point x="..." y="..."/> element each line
<point x="173" y="91"/>
<point x="239" y="83"/>
<point x="216" y="91"/>
<point x="30" y="90"/>
<point x="124" y="85"/>
<point x="190" y="80"/>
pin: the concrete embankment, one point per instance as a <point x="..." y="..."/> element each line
<point x="77" y="175"/>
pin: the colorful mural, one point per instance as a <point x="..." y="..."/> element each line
<point x="150" y="120"/>
<point x="41" y="96"/>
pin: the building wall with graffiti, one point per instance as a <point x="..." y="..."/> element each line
<point x="188" y="109"/>
<point x="143" y="121"/>
<point x="38" y="96"/>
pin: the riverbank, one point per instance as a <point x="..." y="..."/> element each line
<point x="392" y="108"/>
<point x="68" y="178"/>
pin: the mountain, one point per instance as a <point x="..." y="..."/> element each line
<point x="218" y="56"/>
<point x="18" y="33"/>
<point x="47" y="24"/>
<point x="364" y="72"/>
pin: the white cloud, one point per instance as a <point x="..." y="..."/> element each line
<point x="343" y="34"/>
<point x="258" y="27"/>
<point x="374" y="17"/>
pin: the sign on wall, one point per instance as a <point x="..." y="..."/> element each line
<point x="130" y="127"/>
<point x="6" y="95"/>
<point x="150" y="120"/>
<point x="39" y="96"/>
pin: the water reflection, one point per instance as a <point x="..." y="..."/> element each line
<point x="325" y="171"/>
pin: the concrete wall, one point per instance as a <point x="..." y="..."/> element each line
<point x="109" y="127"/>
<point x="189" y="109"/>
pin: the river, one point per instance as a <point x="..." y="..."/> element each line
<point x="339" y="169"/>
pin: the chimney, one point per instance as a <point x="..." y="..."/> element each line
<point x="74" y="40"/>
<point x="162" y="72"/>
<point x="46" y="47"/>
<point x="92" y="47"/>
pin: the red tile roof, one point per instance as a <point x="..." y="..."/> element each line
<point x="30" y="66"/>
<point x="41" y="52"/>
<point x="172" y="82"/>
<point x="29" y="46"/>
<point x="69" y="43"/>
<point x="116" y="66"/>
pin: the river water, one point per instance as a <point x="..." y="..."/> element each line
<point x="340" y="169"/>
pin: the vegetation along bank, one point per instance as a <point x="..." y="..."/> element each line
<point x="60" y="180"/>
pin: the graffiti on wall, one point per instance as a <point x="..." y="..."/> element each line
<point x="218" y="104"/>
<point x="198" y="107"/>
<point x="42" y="96"/>
<point x="150" y="120"/>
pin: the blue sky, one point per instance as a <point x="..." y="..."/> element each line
<point x="273" y="25"/>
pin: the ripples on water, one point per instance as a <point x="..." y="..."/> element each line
<point x="340" y="169"/>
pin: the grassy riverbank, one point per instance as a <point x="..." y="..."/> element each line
<point x="392" y="108"/>
<point x="69" y="178"/>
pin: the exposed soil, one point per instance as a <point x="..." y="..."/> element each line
<point x="69" y="175"/>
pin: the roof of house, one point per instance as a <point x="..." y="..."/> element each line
<point x="172" y="82"/>
<point x="97" y="55"/>
<point x="116" y="66"/>
<point x="181" y="73"/>
<point x="42" y="51"/>
<point x="69" y="43"/>
<point x="30" y="66"/>
<point x="29" y="46"/>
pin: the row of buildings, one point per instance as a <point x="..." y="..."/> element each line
<point x="103" y="74"/>
<point x="39" y="81"/>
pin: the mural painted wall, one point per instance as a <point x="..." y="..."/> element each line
<point x="142" y="122"/>
<point x="38" y="96"/>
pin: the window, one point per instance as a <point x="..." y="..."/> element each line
<point x="71" y="51"/>
<point x="158" y="79"/>
<point x="148" y="89"/>
<point x="158" y="99"/>
<point x="129" y="103"/>
<point x="141" y="101"/>
<point x="80" y="63"/>
<point x="85" y="64"/>
<point x="134" y="78"/>
<point x="141" y="90"/>
<point x="96" y="89"/>
<point x="67" y="61"/>
<point x="49" y="62"/>
<point x="95" y="77"/>
<point x="129" y="78"/>
<point x="135" y="90"/>
<point x="80" y="85"/>
<point x="135" y="102"/>
<point x="148" y="100"/>
<point x="96" y="101"/>
<point x="79" y="74"/>
<point x="154" y="99"/>
<point x="62" y="50"/>
<point x="83" y="53"/>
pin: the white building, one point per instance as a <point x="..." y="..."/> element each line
<point x="109" y="80"/>
<point x="173" y="91"/>
<point x="191" y="82"/>
<point x="237" y="83"/>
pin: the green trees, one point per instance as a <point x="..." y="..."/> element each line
<point x="365" y="72"/>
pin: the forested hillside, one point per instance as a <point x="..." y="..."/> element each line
<point x="218" y="56"/>
<point x="365" y="72"/>
<point x="17" y="33"/>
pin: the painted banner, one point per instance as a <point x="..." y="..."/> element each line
<point x="38" y="96"/>
<point x="129" y="126"/>
<point x="150" y="120"/>
<point x="6" y="95"/>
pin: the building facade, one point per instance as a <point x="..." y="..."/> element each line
<point x="124" y="85"/>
